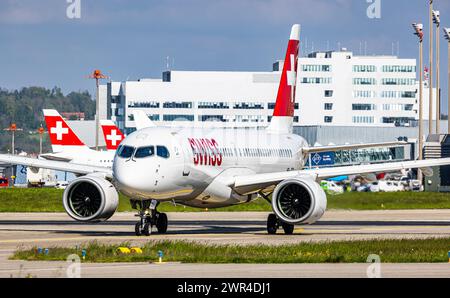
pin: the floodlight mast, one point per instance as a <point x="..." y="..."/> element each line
<point x="447" y="37"/>
<point x="437" y="21"/>
<point x="418" y="28"/>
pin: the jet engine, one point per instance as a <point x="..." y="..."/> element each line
<point x="90" y="198"/>
<point x="299" y="201"/>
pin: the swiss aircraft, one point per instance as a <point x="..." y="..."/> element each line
<point x="212" y="168"/>
<point x="68" y="147"/>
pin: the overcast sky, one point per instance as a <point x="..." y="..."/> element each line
<point x="130" y="39"/>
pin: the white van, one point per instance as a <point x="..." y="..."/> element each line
<point x="390" y="186"/>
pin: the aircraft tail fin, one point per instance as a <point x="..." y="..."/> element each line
<point x="61" y="135"/>
<point x="112" y="134"/>
<point x="283" y="114"/>
<point x="141" y="119"/>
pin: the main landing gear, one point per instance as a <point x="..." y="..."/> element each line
<point x="149" y="217"/>
<point x="273" y="224"/>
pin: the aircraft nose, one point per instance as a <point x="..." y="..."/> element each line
<point x="129" y="177"/>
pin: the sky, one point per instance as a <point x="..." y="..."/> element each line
<point x="131" y="39"/>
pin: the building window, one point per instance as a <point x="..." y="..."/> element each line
<point x="177" y="105"/>
<point x="310" y="80"/>
<point x="212" y="118"/>
<point x="178" y="117"/>
<point x="316" y="68"/>
<point x="143" y="104"/>
<point x="399" y="68"/>
<point x="364" y="81"/>
<point x="398" y="107"/>
<point x="328" y="106"/>
<point x="328" y="119"/>
<point x="364" y="68"/>
<point x="271" y="106"/>
<point x="364" y="94"/>
<point x="363" y="119"/>
<point x="398" y="121"/>
<point x="398" y="81"/>
<point x="363" y="107"/>
<point x="248" y="106"/>
<point x="328" y="93"/>
<point x="213" y="105"/>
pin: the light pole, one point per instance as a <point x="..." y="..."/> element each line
<point x="13" y="128"/>
<point x="430" y="77"/>
<point x="437" y="21"/>
<point x="41" y="132"/>
<point x="447" y="37"/>
<point x="418" y="28"/>
<point x="97" y="75"/>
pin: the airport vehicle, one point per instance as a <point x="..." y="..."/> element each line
<point x="61" y="184"/>
<point x="112" y="134"/>
<point x="374" y="187"/>
<point x="40" y="177"/>
<point x="4" y="182"/>
<point x="331" y="187"/>
<point x="390" y="186"/>
<point x="213" y="167"/>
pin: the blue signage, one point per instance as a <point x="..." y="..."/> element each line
<point x="322" y="159"/>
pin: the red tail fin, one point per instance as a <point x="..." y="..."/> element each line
<point x="60" y="133"/>
<point x="112" y="134"/>
<point x="284" y="105"/>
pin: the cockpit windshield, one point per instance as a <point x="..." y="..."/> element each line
<point x="162" y="151"/>
<point x="144" y="152"/>
<point x="126" y="152"/>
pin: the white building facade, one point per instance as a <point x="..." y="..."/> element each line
<point x="333" y="88"/>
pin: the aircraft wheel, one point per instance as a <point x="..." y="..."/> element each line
<point x="162" y="223"/>
<point x="288" y="228"/>
<point x="137" y="229"/>
<point x="272" y="224"/>
<point x="147" y="230"/>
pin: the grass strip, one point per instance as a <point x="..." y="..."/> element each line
<point x="50" y="200"/>
<point x="433" y="250"/>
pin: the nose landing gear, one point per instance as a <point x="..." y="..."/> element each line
<point x="149" y="217"/>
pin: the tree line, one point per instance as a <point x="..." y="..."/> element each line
<point x="24" y="107"/>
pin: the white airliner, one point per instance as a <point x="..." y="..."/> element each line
<point x="210" y="168"/>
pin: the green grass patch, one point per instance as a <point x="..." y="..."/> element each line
<point x="390" y="251"/>
<point x="50" y="200"/>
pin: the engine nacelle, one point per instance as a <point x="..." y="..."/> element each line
<point x="90" y="198"/>
<point x="299" y="201"/>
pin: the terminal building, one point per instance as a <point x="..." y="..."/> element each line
<point x="333" y="89"/>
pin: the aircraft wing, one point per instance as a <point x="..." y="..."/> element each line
<point x="54" y="165"/>
<point x="350" y="147"/>
<point x="260" y="181"/>
<point x="141" y="120"/>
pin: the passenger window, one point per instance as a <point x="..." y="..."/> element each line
<point x="126" y="152"/>
<point x="162" y="151"/>
<point x="144" y="152"/>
